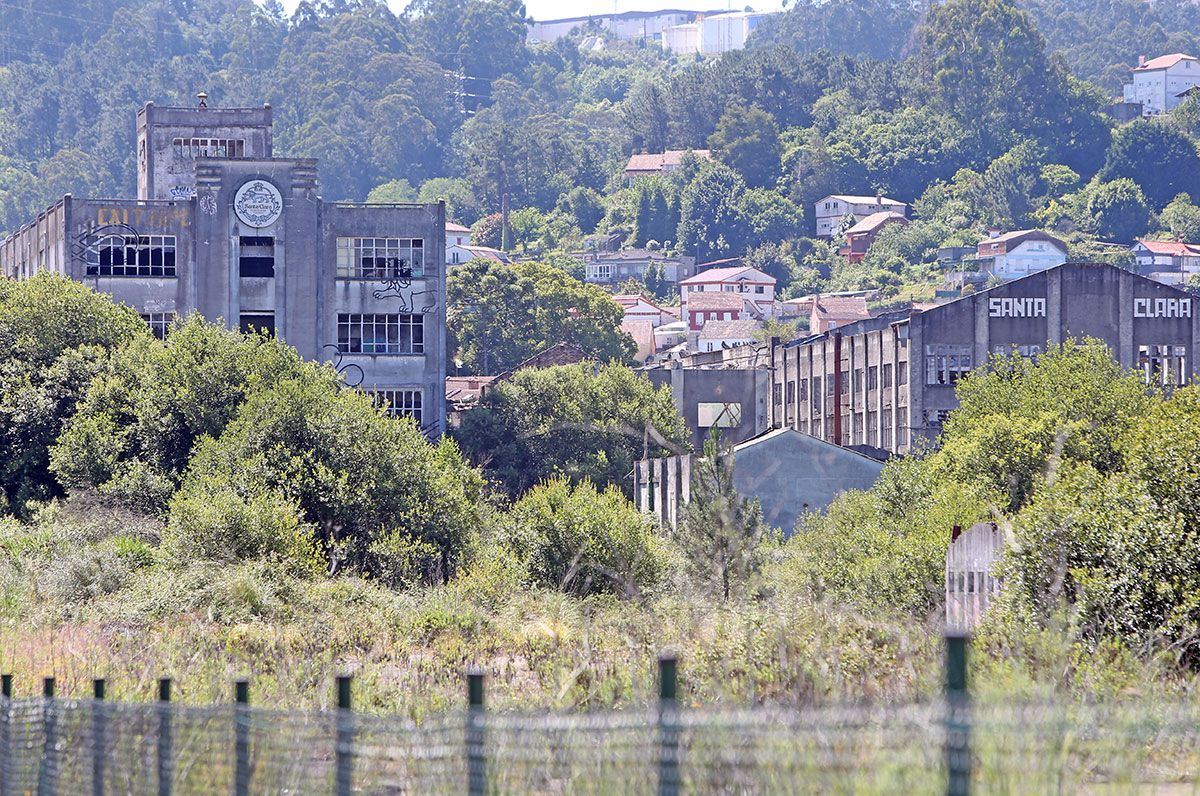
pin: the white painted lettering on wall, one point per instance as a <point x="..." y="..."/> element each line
<point x="1017" y="308"/>
<point x="1162" y="308"/>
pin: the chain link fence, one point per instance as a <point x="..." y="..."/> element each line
<point x="52" y="745"/>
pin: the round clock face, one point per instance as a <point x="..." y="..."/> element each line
<point x="258" y="203"/>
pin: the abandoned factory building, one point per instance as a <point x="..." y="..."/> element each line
<point x="222" y="227"/>
<point x="887" y="381"/>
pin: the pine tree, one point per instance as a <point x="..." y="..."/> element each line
<point x="642" y="231"/>
<point x="722" y="533"/>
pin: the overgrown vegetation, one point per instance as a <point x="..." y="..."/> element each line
<point x="292" y="530"/>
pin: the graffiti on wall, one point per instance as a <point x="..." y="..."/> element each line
<point x="409" y="297"/>
<point x="351" y="373"/>
<point x="153" y="217"/>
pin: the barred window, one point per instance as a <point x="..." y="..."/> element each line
<point x="159" y="322"/>
<point x="131" y="255"/>
<point x="380" y="258"/>
<point x="1164" y="365"/>
<point x="210" y="148"/>
<point x="381" y="334"/>
<point x="399" y="403"/>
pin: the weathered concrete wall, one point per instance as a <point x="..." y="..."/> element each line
<point x="162" y="173"/>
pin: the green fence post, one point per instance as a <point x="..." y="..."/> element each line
<point x="344" y="774"/>
<point x="47" y="774"/>
<point x="165" y="769"/>
<point x="476" y="735"/>
<point x="241" y="738"/>
<point x="99" y="725"/>
<point x="6" y="681"/>
<point x="958" y="716"/>
<point x="668" y="726"/>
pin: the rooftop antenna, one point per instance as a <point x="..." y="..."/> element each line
<point x="202" y="97"/>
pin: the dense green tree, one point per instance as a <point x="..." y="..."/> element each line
<point x="986" y="64"/>
<point x="134" y="432"/>
<point x="56" y="335"/>
<point x="461" y="204"/>
<point x="383" y="500"/>
<point x="392" y="192"/>
<point x="1118" y="210"/>
<point x="584" y="541"/>
<point x="577" y="421"/>
<point x="747" y="140"/>
<point x="1162" y="161"/>
<point x="1181" y="219"/>
<point x="710" y="225"/>
<point x="488" y="231"/>
<point x="500" y="315"/>
<point x="645" y="113"/>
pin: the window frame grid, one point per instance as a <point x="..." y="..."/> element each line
<point x="141" y="247"/>
<point x="353" y="252"/>
<point x="410" y="403"/>
<point x="349" y="323"/>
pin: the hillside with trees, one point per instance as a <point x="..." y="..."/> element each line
<point x="448" y="101"/>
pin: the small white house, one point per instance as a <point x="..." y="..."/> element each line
<point x="1162" y="83"/>
<point x="717" y="335"/>
<point x="743" y="282"/>
<point x="1017" y="254"/>
<point x="456" y="235"/>
<point x="640" y="308"/>
<point x="832" y="209"/>
<point x="1165" y="261"/>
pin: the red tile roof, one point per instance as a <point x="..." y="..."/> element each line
<point x="730" y="330"/>
<point x="1173" y="248"/>
<point x="875" y="222"/>
<point x="657" y="162"/>
<point x="715" y="301"/>
<point x="843" y="308"/>
<point x="1163" y="62"/>
<point x="729" y="275"/>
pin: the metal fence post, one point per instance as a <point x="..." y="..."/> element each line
<point x="476" y="735"/>
<point x="165" y="769"/>
<point x="344" y="774"/>
<point x="668" y="726"/>
<point x="958" y="716"/>
<point x="241" y="738"/>
<point x="6" y="681"/>
<point x="47" y="775"/>
<point x="99" y="725"/>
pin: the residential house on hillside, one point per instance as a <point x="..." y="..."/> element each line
<point x="860" y="236"/>
<point x="825" y="311"/>
<point x="649" y="165"/>
<point x="832" y="209"/>
<point x="1162" y="83"/>
<point x="640" y="308"/>
<point x="458" y="254"/>
<point x="456" y="235"/>
<point x="610" y="269"/>
<point x="717" y="335"/>
<point x="1017" y="254"/>
<point x="1168" y="262"/>
<point x="701" y="308"/>
<point x="744" y="281"/>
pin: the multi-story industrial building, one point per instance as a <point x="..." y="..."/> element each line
<point x="887" y="381"/>
<point x="222" y="227"/>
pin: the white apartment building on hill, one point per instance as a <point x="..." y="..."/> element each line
<point x="1162" y="83"/>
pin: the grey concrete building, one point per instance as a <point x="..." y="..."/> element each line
<point x="790" y="473"/>
<point x="886" y="382"/>
<point x="726" y="389"/>
<point x="222" y="227"/>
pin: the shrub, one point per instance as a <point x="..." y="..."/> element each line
<point x="211" y="519"/>
<point x="584" y="541"/>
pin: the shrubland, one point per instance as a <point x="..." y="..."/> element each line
<point x="292" y="530"/>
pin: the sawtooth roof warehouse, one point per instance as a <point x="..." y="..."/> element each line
<point x="887" y="381"/>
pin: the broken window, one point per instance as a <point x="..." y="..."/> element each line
<point x="255" y="322"/>
<point x="131" y="255"/>
<point x="380" y="258"/>
<point x="159" y="322"/>
<point x="381" y="334"/>
<point x="1163" y="365"/>
<point x="192" y="148"/>
<point x="946" y="364"/>
<point x="399" y="403"/>
<point x="256" y="256"/>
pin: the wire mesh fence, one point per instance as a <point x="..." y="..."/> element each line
<point x="90" y="746"/>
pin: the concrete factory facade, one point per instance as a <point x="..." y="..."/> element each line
<point x="888" y="381"/>
<point x="223" y="228"/>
